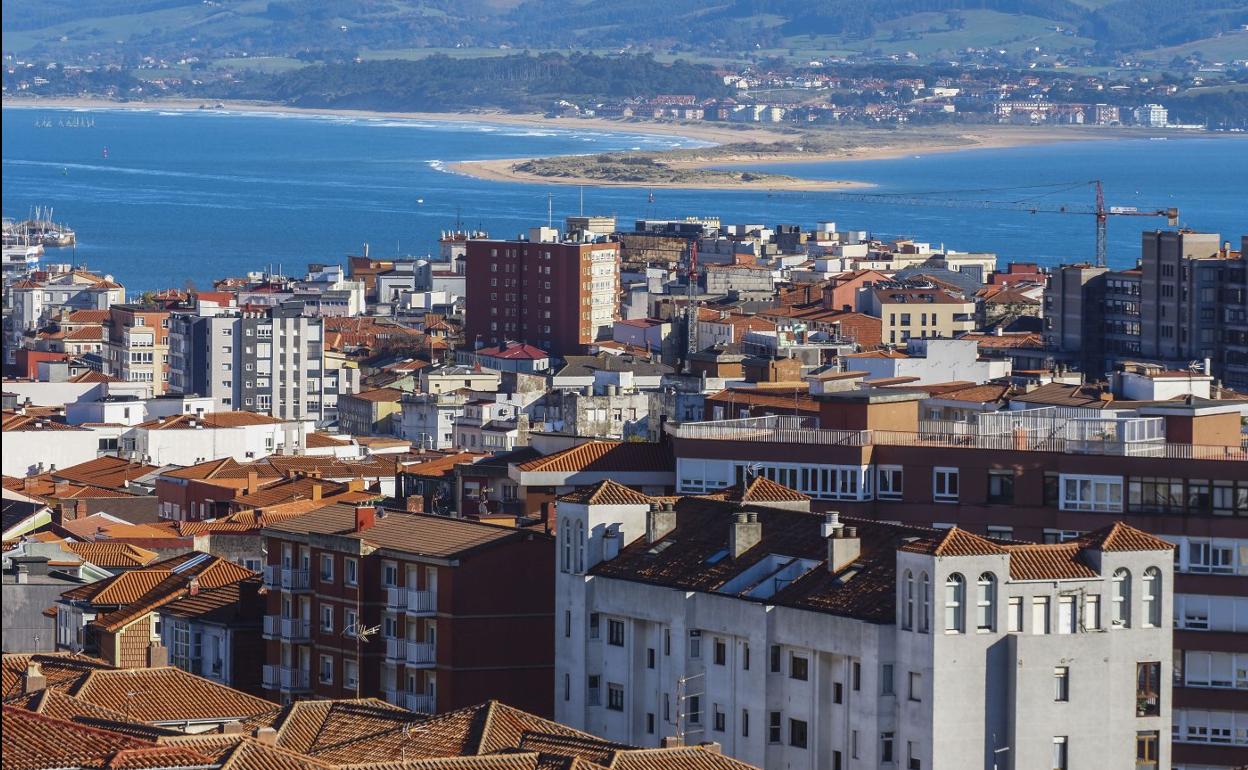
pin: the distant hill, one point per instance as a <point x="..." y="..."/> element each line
<point x="286" y="28"/>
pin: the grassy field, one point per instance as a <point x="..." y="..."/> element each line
<point x="1228" y="47"/>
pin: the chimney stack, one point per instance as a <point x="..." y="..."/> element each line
<point x="660" y="520"/>
<point x="671" y="742"/>
<point x="35" y="680"/>
<point x="157" y="655"/>
<point x="844" y="547"/>
<point x="746" y="533"/>
<point x="266" y="736"/>
<point x="365" y="517"/>
<point x="316" y="491"/>
<point x="192" y="588"/>
<point x="253" y="482"/>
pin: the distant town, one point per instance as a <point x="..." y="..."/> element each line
<point x="651" y="494"/>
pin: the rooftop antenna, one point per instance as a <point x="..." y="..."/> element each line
<point x="681" y="696"/>
<point x="550" y="210"/>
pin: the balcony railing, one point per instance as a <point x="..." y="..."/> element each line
<point x="285" y="678"/>
<point x="1134" y="441"/>
<point x="411" y="601"/>
<point x="286" y="578"/>
<point x="421" y="653"/>
<point x="288" y="629"/>
<point x="418" y="702"/>
<point x="396" y="650"/>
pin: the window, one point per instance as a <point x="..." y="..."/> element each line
<point x="1147" y="689"/>
<point x="327" y="669"/>
<point x="913" y="762"/>
<point x="1152" y="597"/>
<point x="915" y="692"/>
<point x="745" y="656"/>
<point x="350" y="622"/>
<point x="721" y="652"/>
<point x="888" y="485"/>
<point x="955" y="597"/>
<point x="745" y="723"/>
<point x="1001" y="486"/>
<point x="593" y="625"/>
<point x="1040" y="615"/>
<point x="389" y="575"/>
<point x="838" y="692"/>
<point x="350" y="572"/>
<point x="1059" y="753"/>
<point x="615" y="633"/>
<point x="649" y="723"/>
<point x="718" y="718"/>
<point x="1092" y="612"/>
<point x="350" y="674"/>
<point x="327" y="618"/>
<point x="667" y="642"/>
<point x="855" y="675"/>
<point x="945" y="485"/>
<point x="886" y="747"/>
<point x="925" y="603"/>
<point x="327" y="568"/>
<point x="1061" y="683"/>
<point x="798" y="667"/>
<point x="1146" y="754"/>
<point x="773" y="727"/>
<point x="886" y="679"/>
<point x="986" y="603"/>
<point x="1122" y="598"/>
<point x="615" y="696"/>
<point x="695" y="644"/>
<point x="1091" y="493"/>
<point x="1066" y="620"/>
<point x="907" y="616"/>
<point x="774" y="664"/>
<point x="797" y="733"/>
<point x="594" y="685"/>
<point x="650" y="656"/>
<point x="695" y="709"/>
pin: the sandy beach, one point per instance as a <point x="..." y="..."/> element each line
<point x="852" y="143"/>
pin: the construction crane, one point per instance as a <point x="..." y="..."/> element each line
<point x="1032" y="202"/>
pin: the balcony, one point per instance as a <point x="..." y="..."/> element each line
<point x="1129" y="437"/>
<point x="286" y="579"/>
<point x="421" y="654"/>
<point x="413" y="602"/>
<point x="287" y="629"/>
<point x="286" y="679"/>
<point x="396" y="650"/>
<point x="418" y="702"/>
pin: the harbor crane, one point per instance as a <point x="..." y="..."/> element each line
<point x="1032" y="201"/>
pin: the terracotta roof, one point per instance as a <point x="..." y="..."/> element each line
<point x="32" y="422"/>
<point x="112" y="555"/>
<point x="1123" y="537"/>
<point x="320" y="440"/>
<point x="377" y="394"/>
<point x="39" y="742"/>
<point x="514" y="351"/>
<point x="423" y="534"/>
<point x="221" y="604"/>
<point x="108" y="471"/>
<point x="978" y="394"/>
<point x="210" y="421"/>
<point x="603" y="456"/>
<point x="760" y="490"/>
<point x="1059" y="561"/>
<point x="606" y="492"/>
<point x="1061" y="394"/>
<point x="167" y="694"/>
<point x="92" y="376"/>
<point x="290" y="490"/>
<point x="60" y="669"/>
<point x="682" y="758"/>
<point x="954" y="541"/>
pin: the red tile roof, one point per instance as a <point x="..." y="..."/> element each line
<point x="166" y="694"/>
<point x="606" y="492"/>
<point x="39" y="742"/>
<point x="760" y="490"/>
<point x="604" y="456"/>
<point x="1123" y="537"/>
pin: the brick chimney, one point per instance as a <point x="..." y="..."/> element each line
<point x="671" y="742"/>
<point x="192" y="588"/>
<point x="34" y="681"/>
<point x="746" y="533"/>
<point x="414" y="503"/>
<point x="365" y="517"/>
<point x="316" y="491"/>
<point x="253" y="482"/>
<point x="157" y="655"/>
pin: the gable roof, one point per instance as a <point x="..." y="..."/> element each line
<point x="603" y="456"/>
<point x="955" y="541"/>
<point x="760" y="489"/>
<point x="606" y="492"/>
<point x="166" y="694"/>
<point x="112" y="555"/>
<point x="110" y="472"/>
<point x="1124" y="537"/>
<point x="59" y="669"/>
<point x="33" y="741"/>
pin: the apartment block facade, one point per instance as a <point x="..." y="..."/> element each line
<point x="137" y="346"/>
<point x="1187" y="301"/>
<point x="427" y="612"/>
<point x="270" y="361"/>
<point x="558" y="296"/>
<point x="801" y="641"/>
<point x="1033" y="475"/>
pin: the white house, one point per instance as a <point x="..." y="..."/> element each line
<point x="188" y="439"/>
<point x="803" y="641"/>
<point x="931" y="361"/>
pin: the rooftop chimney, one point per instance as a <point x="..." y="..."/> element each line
<point x="414" y="503"/>
<point x="316" y="491"/>
<point x="192" y="588"/>
<point x="671" y="742"/>
<point x="365" y="517"/>
<point x="35" y="680"/>
<point x="266" y="736"/>
<point x="746" y="533"/>
<point x="844" y="547"/>
<point x="253" y="482"/>
<point x="660" y="520"/>
<point x="712" y="746"/>
<point x="157" y="655"/>
<point x="831" y="523"/>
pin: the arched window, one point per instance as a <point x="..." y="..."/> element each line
<point x="907" y="612"/>
<point x="580" y="546"/>
<point x="925" y="603"/>
<point x="565" y="534"/>
<point x="1122" y="598"/>
<point x="955" y="600"/>
<point x="1152" y="597"/>
<point x="986" y="603"/>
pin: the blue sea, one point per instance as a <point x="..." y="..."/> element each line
<point x="165" y="198"/>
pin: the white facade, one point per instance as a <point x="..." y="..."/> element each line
<point x="198" y="443"/>
<point x="950" y="682"/>
<point x="934" y="361"/>
<point x="428" y="421"/>
<point x="604" y="292"/>
<point x="32" y="450"/>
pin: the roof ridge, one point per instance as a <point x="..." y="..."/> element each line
<point x="485" y="728"/>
